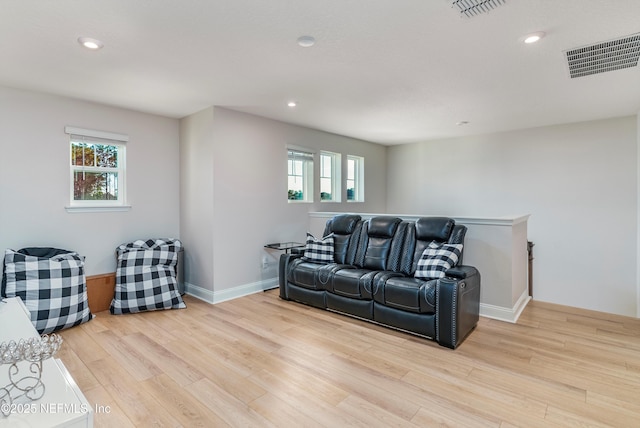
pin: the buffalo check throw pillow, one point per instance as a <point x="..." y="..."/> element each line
<point x="436" y="259"/>
<point x="146" y="277"/>
<point x="319" y="250"/>
<point x="52" y="288"/>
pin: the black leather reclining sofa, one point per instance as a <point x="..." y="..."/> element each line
<point x="372" y="277"/>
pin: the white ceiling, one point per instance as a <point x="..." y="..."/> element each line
<point x="387" y="71"/>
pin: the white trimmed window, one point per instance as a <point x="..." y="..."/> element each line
<point x="355" y="178"/>
<point x="330" y="177"/>
<point x="300" y="175"/>
<point x="97" y="168"/>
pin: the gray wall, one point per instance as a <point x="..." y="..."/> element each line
<point x="196" y="195"/>
<point x="35" y="178"/>
<point x="578" y="182"/>
<point x="245" y="157"/>
<point x="216" y="179"/>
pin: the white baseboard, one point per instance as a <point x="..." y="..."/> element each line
<point x="488" y="311"/>
<point x="198" y="292"/>
<point x="230" y="293"/>
<point x="505" y="314"/>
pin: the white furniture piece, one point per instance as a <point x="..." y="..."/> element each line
<point x="63" y="404"/>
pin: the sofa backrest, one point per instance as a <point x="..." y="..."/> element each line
<point x="457" y="237"/>
<point x="389" y="243"/>
<point x="424" y="231"/>
<point x="346" y="234"/>
<point x="381" y="243"/>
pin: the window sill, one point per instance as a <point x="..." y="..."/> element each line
<point x="97" y="209"/>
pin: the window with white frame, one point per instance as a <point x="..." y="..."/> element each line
<point x="355" y="178"/>
<point x="300" y="175"/>
<point x="97" y="168"/>
<point x="330" y="177"/>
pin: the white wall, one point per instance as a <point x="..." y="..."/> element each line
<point x="196" y="196"/>
<point x="638" y="214"/>
<point x="34" y="177"/>
<point x="578" y="181"/>
<point x="248" y="161"/>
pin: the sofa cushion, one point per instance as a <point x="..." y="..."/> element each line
<point x="306" y="274"/>
<point x="407" y="294"/>
<point x="319" y="250"/>
<point x="52" y="287"/>
<point x="436" y="259"/>
<point x="353" y="283"/>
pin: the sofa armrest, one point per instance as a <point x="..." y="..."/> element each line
<point x="283" y="268"/>
<point x="457" y="305"/>
<point x="461" y="272"/>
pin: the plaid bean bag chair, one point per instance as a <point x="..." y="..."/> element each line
<point x="146" y="277"/>
<point x="51" y="283"/>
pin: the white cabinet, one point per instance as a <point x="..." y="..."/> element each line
<point x="62" y="404"/>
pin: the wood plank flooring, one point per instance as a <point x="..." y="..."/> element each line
<point x="259" y="361"/>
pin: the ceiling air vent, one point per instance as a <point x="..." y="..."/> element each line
<point x="471" y="8"/>
<point x="605" y="56"/>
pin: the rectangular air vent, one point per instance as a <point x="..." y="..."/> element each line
<point x="471" y="8"/>
<point x="605" y="56"/>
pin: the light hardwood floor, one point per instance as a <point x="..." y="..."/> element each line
<point x="260" y="361"/>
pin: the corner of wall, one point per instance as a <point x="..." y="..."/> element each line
<point x="638" y="215"/>
<point x="196" y="197"/>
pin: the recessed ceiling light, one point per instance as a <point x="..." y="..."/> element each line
<point x="89" y="43"/>
<point x="533" y="37"/>
<point x="306" y="41"/>
<point x="292" y="104"/>
<point x="462" y="123"/>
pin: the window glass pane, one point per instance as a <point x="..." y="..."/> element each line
<point x="300" y="176"/>
<point x="351" y="174"/>
<point x="351" y="193"/>
<point x="351" y="169"/>
<point x="296" y="182"/>
<point x="296" y="192"/>
<point x="106" y="156"/>
<point x="325" y="178"/>
<point x="330" y="188"/>
<point x="325" y="189"/>
<point x="82" y="154"/>
<point x="355" y="179"/>
<point x="325" y="165"/>
<point x="95" y="186"/>
<point x="77" y="154"/>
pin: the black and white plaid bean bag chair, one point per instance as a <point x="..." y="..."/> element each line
<point x="146" y="276"/>
<point x="51" y="283"/>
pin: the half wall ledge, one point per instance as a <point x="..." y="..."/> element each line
<point x="496" y="246"/>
